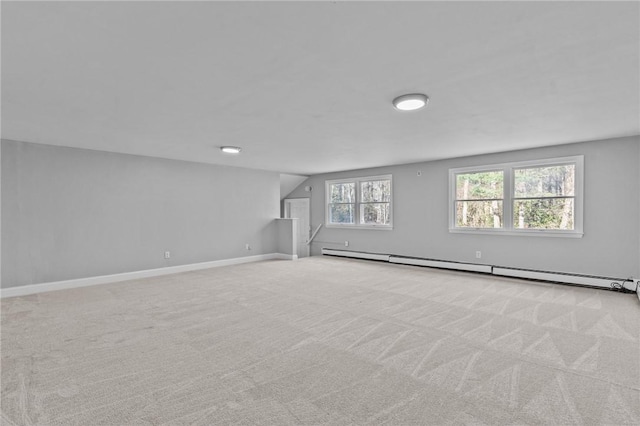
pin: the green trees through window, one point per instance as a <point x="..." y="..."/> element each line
<point x="479" y="199"/>
<point x="544" y="197"/>
<point x="519" y="196"/>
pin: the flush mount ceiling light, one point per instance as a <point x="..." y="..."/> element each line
<point x="231" y="149"/>
<point x="410" y="102"/>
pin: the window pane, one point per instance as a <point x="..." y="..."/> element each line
<point x="479" y="214"/>
<point x="551" y="181"/>
<point x="341" y="213"/>
<point x="343" y="192"/>
<point x="480" y="185"/>
<point x="375" y="213"/>
<point x="549" y="213"/>
<point x="375" y="191"/>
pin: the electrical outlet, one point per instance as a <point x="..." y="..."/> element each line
<point x="418" y="173"/>
<point x="346" y="243"/>
<point x="247" y="246"/>
<point x="478" y="254"/>
<point x="167" y="254"/>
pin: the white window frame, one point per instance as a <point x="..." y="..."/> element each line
<point x="508" y="198"/>
<point x="357" y="224"/>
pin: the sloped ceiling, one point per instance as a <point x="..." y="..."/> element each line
<point x="289" y="182"/>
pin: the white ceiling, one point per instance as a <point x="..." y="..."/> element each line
<point x="306" y="87"/>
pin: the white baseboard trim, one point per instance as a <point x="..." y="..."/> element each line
<point x="125" y="276"/>
<point x="282" y="256"/>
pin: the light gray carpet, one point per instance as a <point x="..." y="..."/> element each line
<point x="321" y="341"/>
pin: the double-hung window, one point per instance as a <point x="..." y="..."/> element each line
<point x="359" y="202"/>
<point x="541" y="197"/>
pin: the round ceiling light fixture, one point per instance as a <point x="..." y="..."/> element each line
<point x="410" y="102"/>
<point x="231" y="149"/>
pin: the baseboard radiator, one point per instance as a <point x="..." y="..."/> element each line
<point x="356" y="254"/>
<point x="431" y="263"/>
<point x="587" y="280"/>
<point x="619" y="284"/>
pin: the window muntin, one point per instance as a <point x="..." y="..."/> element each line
<point x="542" y="197"/>
<point x="359" y="202"/>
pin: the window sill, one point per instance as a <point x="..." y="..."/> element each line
<point x="369" y="227"/>
<point x="520" y="233"/>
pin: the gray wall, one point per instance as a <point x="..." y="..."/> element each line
<point x="611" y="242"/>
<point x="72" y="213"/>
<point x="287" y="230"/>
